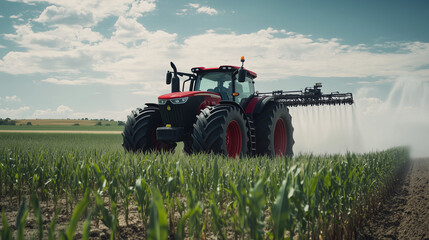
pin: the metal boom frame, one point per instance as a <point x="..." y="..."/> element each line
<point x="310" y="97"/>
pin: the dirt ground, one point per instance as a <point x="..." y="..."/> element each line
<point x="405" y="213"/>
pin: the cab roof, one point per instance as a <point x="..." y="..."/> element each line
<point x="221" y="68"/>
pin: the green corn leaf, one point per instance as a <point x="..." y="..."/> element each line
<point x="280" y="211"/>
<point x="87" y="226"/>
<point x="215" y="174"/>
<point x="21" y="220"/>
<point x="77" y="214"/>
<point x="313" y="185"/>
<point x="51" y="230"/>
<point x="181" y="226"/>
<point x="38" y="214"/>
<point x="257" y="202"/>
<point x="158" y="226"/>
<point x="106" y="218"/>
<point x="327" y="180"/>
<point x="6" y="232"/>
<point x="142" y="199"/>
<point x="179" y="173"/>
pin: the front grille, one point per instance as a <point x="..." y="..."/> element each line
<point x="181" y="115"/>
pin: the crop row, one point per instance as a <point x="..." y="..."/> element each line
<point x="197" y="196"/>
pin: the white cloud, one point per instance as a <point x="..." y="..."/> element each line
<point x="63" y="112"/>
<point x="139" y="7"/>
<point x="16" y="16"/>
<point x="45" y="62"/>
<point x="133" y="54"/>
<point x="68" y="16"/>
<point x="207" y="10"/>
<point x="194" y="5"/>
<point x="65" y="81"/>
<point x="58" y="38"/>
<point x="8" y="100"/>
<point x="182" y="12"/>
<point x="60" y="112"/>
<point x="76" y="55"/>
<point x="89" y="13"/>
<point x="193" y="8"/>
<point x="13" y="98"/>
<point x="14" y="113"/>
<point x="1" y="16"/>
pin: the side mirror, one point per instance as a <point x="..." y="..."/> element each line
<point x="168" y="78"/>
<point x="242" y="75"/>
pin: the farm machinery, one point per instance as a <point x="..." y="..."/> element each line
<point x="221" y="113"/>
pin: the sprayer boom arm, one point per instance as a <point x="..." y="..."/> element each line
<point x="309" y="97"/>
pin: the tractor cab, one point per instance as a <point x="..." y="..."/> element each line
<point x="224" y="81"/>
<point x="230" y="83"/>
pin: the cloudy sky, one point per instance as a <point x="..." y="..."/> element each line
<point x="102" y="58"/>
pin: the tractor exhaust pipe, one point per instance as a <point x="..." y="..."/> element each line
<point x="173" y="80"/>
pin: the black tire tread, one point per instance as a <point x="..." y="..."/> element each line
<point x="210" y="129"/>
<point x="138" y="129"/>
<point x="265" y="122"/>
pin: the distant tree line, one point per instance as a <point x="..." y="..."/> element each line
<point x="7" y="121"/>
<point x="101" y="119"/>
<point x="99" y="123"/>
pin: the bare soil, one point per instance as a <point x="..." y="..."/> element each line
<point x="133" y="230"/>
<point x="405" y="213"/>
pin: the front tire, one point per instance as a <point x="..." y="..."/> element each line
<point x="139" y="134"/>
<point x="221" y="129"/>
<point x="274" y="131"/>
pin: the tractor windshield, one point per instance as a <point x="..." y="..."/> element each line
<point x="221" y="82"/>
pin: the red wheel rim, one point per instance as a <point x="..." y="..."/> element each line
<point x="280" y="138"/>
<point x="233" y="139"/>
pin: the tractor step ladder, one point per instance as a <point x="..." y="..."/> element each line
<point x="252" y="138"/>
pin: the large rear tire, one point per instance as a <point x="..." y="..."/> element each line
<point x="139" y="134"/>
<point x="274" y="131"/>
<point x="221" y="129"/>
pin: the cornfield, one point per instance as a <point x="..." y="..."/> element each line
<point x="182" y="196"/>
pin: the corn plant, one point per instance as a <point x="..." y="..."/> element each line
<point x="306" y="197"/>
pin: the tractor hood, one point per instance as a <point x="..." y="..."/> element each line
<point x="180" y="109"/>
<point x="189" y="94"/>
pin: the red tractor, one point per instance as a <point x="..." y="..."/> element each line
<point x="221" y="113"/>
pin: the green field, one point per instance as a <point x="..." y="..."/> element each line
<point x="64" y="122"/>
<point x="60" y="128"/>
<point x="90" y="183"/>
<point x="63" y="125"/>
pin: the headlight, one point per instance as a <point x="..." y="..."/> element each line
<point x="179" y="100"/>
<point x="162" y="101"/>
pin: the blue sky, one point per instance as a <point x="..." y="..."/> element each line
<point x="100" y="59"/>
